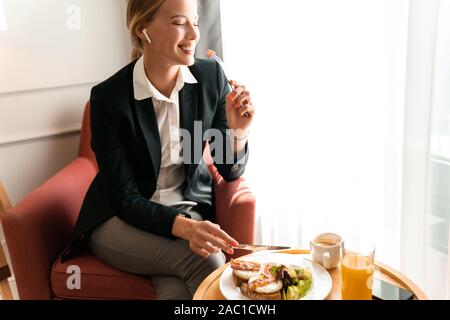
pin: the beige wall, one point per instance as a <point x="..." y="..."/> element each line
<point x="51" y="55"/>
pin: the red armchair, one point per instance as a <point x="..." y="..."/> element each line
<point x="39" y="227"/>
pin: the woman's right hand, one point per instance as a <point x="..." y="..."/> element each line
<point x="204" y="237"/>
<point x="208" y="238"/>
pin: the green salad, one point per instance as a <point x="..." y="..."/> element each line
<point x="296" y="281"/>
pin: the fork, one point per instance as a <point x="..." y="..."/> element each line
<point x="212" y="55"/>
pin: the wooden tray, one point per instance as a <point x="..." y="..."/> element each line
<point x="209" y="288"/>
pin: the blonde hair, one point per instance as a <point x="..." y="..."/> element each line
<point x="139" y="12"/>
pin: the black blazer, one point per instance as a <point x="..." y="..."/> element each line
<point x="126" y="143"/>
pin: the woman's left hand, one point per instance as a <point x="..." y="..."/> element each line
<point x="239" y="107"/>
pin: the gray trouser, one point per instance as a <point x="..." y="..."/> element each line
<point x="176" y="271"/>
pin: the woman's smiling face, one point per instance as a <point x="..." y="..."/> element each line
<point x="174" y="32"/>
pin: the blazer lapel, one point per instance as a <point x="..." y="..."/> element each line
<point x="149" y="126"/>
<point x="189" y="111"/>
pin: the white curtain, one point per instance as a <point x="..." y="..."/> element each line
<point x="344" y="92"/>
<point x="426" y="181"/>
<point x="209" y="12"/>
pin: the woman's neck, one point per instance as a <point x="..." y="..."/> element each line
<point x="162" y="75"/>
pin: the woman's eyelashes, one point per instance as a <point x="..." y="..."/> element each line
<point x="184" y="23"/>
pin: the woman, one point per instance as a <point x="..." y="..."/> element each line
<point x="148" y="212"/>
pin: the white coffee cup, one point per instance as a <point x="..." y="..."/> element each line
<point x="325" y="249"/>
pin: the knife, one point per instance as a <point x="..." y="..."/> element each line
<point x="244" y="246"/>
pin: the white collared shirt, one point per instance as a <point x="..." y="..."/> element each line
<point x="171" y="175"/>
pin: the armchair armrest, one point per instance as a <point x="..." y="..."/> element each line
<point x="235" y="209"/>
<point x="39" y="227"/>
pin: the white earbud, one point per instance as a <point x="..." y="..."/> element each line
<point x="146" y="36"/>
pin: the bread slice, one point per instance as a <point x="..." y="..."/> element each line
<point x="238" y="281"/>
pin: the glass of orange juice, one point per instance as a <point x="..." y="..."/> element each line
<point x="357" y="267"/>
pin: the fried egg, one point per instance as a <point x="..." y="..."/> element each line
<point x="271" y="287"/>
<point x="246" y="275"/>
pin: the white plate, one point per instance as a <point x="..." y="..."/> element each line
<point x="321" y="278"/>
